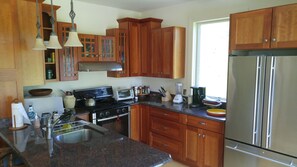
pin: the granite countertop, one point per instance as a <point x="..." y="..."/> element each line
<point x="180" y="108"/>
<point x="110" y="149"/>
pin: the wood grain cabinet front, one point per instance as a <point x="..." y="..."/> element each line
<point x="89" y="51"/>
<point x="264" y="28"/>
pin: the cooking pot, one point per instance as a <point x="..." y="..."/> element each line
<point x="90" y="102"/>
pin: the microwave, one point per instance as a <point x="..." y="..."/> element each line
<point x="124" y="94"/>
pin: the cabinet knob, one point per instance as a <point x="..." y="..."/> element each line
<point x="202" y="123"/>
<point x="165" y="128"/>
<point x="199" y="135"/>
<point x="265" y="40"/>
<point x="203" y="136"/>
<point x="273" y="39"/>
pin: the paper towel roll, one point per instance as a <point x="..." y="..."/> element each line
<point x="18" y="115"/>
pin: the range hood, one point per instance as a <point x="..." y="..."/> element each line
<point x="269" y="52"/>
<point x="99" y="66"/>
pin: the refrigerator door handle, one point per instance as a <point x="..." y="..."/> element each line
<point x="270" y="102"/>
<point x="260" y="154"/>
<point x="256" y="112"/>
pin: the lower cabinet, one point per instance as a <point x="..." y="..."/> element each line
<point x="135" y="123"/>
<point x="204" y="142"/>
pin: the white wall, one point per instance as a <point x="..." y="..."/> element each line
<point x="95" y="19"/>
<point x="199" y="10"/>
<point x="91" y="19"/>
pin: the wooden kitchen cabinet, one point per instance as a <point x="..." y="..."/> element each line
<point x="121" y="51"/>
<point x="144" y="123"/>
<point x="133" y="28"/>
<point x="32" y="60"/>
<point x="51" y="61"/>
<point x="265" y="28"/>
<point x="106" y="48"/>
<point x="67" y="55"/>
<point x="168" y="52"/>
<point x="204" y="142"/>
<point x="166" y="132"/>
<point x="89" y="51"/>
<point x="146" y="27"/>
<point x="135" y="122"/>
<point x="11" y="78"/>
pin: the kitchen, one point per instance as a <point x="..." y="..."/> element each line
<point x="187" y="14"/>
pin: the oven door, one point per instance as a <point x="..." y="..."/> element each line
<point x="119" y="123"/>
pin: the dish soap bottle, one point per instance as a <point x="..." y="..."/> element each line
<point x="31" y="114"/>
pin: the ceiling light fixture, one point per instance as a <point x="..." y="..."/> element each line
<point x="39" y="45"/>
<point x="73" y="40"/>
<point x="53" y="41"/>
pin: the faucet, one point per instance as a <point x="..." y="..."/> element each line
<point x="66" y="116"/>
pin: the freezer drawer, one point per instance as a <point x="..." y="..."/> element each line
<point x="243" y="155"/>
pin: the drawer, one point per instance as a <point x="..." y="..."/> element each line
<point x="161" y="113"/>
<point x="206" y="124"/>
<point x="167" y="145"/>
<point x="170" y="129"/>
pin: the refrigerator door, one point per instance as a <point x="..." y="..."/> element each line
<point x="245" y="89"/>
<point x="243" y="155"/>
<point x="280" y="114"/>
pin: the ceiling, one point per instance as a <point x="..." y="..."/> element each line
<point x="137" y="5"/>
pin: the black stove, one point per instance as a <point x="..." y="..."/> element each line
<point x="107" y="111"/>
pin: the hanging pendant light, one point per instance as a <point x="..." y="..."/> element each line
<point x="39" y="45"/>
<point x="73" y="40"/>
<point x="53" y="41"/>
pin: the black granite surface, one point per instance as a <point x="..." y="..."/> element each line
<point x="102" y="149"/>
<point x="180" y="108"/>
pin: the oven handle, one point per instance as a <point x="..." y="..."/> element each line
<point x="109" y="118"/>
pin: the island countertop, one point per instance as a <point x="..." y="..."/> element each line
<point x="110" y="149"/>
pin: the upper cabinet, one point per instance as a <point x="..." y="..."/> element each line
<point x="67" y="55"/>
<point x="89" y="51"/>
<point x="168" y="52"/>
<point x="106" y="48"/>
<point x="120" y="51"/>
<point x="265" y="28"/>
<point x="133" y="28"/>
<point x="51" y="61"/>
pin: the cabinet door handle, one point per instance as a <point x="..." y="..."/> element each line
<point x="199" y="135"/>
<point x="164" y="128"/>
<point x="202" y="123"/>
<point x="265" y="40"/>
<point x="273" y="39"/>
<point x="165" y="114"/>
<point x="203" y="136"/>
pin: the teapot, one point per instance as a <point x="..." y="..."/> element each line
<point x="90" y="102"/>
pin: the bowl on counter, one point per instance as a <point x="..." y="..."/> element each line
<point x="40" y="92"/>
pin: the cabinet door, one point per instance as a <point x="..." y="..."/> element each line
<point x="135" y="122"/>
<point x="67" y="55"/>
<point x="284" y="27"/>
<point x="134" y="50"/>
<point x="106" y="45"/>
<point x="144" y="123"/>
<point x="250" y="30"/>
<point x="156" y="52"/>
<point x="145" y="49"/>
<point x="167" y="52"/>
<point x="10" y="63"/>
<point x="32" y="61"/>
<point x="212" y="150"/>
<point x="89" y="51"/>
<point x="121" y="51"/>
<point x="191" y="146"/>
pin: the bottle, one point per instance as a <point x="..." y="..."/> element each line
<point x="53" y="57"/>
<point x="31" y="114"/>
<point x="36" y="122"/>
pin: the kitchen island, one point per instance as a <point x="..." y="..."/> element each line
<point x="108" y="149"/>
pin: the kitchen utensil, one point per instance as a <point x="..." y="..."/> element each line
<point x="90" y="102"/>
<point x="40" y="92"/>
<point x="163" y="90"/>
<point x="178" y="98"/>
<point x="162" y="93"/>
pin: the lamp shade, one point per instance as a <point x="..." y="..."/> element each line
<point x="73" y="40"/>
<point x="54" y="42"/>
<point x="39" y="45"/>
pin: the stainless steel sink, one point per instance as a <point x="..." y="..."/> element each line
<point x="76" y="136"/>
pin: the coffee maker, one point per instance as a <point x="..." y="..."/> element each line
<point x="198" y="96"/>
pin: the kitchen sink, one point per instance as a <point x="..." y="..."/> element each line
<point x="76" y="132"/>
<point x="76" y="136"/>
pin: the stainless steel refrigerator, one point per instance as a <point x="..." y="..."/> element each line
<point x="261" y="123"/>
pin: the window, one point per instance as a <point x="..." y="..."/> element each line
<point x="211" y="57"/>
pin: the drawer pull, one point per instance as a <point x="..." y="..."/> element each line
<point x="164" y="128"/>
<point x="202" y="123"/>
<point x="199" y="135"/>
<point x="165" y="145"/>
<point x="165" y="114"/>
<point x="203" y="136"/>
